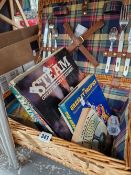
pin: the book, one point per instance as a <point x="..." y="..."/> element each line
<point x="33" y="116"/>
<point x="46" y="84"/>
<point x="87" y="94"/>
<point x="90" y="130"/>
<point x="13" y="108"/>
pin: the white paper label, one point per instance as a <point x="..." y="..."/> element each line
<point x="45" y="137"/>
<point x="28" y="65"/>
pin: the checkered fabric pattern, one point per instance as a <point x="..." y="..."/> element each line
<point x="100" y="40"/>
<point x="96" y="10"/>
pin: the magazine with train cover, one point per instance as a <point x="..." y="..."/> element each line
<point x="46" y="84"/>
<point x="88" y="93"/>
<point x="91" y="132"/>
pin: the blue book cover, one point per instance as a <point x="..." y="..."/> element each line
<point x="87" y="94"/>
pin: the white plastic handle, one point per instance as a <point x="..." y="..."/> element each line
<point x="120" y="48"/>
<point x="126" y="67"/>
<point x="108" y="65"/>
<point x="118" y="62"/>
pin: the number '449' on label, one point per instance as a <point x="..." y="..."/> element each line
<point x="45" y="137"/>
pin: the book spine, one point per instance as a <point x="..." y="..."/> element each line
<point x="28" y="107"/>
<point x="67" y="118"/>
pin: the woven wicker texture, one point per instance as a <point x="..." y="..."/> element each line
<point x="69" y="154"/>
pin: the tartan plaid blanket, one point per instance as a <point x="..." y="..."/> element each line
<point x="99" y="42"/>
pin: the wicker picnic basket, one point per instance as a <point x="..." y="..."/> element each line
<point x="74" y="156"/>
<point x="70" y="154"/>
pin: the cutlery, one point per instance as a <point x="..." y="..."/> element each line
<point x="112" y="37"/>
<point x="127" y="61"/>
<point x="45" y="36"/>
<point x="49" y="40"/>
<point x="124" y="20"/>
<point x="53" y="33"/>
<point x="55" y="36"/>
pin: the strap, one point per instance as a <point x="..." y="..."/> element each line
<point x="48" y="2"/>
<point x="88" y="55"/>
<point x="87" y="35"/>
<point x="77" y="41"/>
<point x="112" y="7"/>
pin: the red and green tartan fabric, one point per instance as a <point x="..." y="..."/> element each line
<point x="96" y="10"/>
<point x="100" y="40"/>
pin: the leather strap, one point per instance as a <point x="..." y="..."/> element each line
<point x="88" y="55"/>
<point x="126" y="2"/>
<point x="77" y="41"/>
<point x="87" y="35"/>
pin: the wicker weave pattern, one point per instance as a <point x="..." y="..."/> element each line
<point x="72" y="155"/>
<point x="69" y="154"/>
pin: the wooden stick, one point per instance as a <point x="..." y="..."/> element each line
<point x="12" y="12"/>
<point x="9" y="21"/>
<point x="22" y="13"/>
<point x="2" y="4"/>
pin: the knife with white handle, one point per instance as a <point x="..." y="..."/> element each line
<point x="127" y="61"/>
<point x="109" y="59"/>
<point x="49" y="43"/>
<point x="45" y="36"/>
<point x="120" y="48"/>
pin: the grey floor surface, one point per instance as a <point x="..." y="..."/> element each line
<point x="33" y="164"/>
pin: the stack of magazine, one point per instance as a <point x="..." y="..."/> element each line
<point x="65" y="103"/>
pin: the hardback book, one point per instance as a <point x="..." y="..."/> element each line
<point x="87" y="93"/>
<point x="90" y="130"/>
<point x="46" y="84"/>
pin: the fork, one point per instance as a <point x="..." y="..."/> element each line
<point x="124" y="20"/>
<point x="112" y="37"/>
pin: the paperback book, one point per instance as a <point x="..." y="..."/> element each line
<point x="87" y="94"/>
<point x="46" y="84"/>
<point x="90" y="130"/>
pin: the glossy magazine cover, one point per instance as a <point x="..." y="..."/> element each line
<point x="47" y="84"/>
<point x="87" y="94"/>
